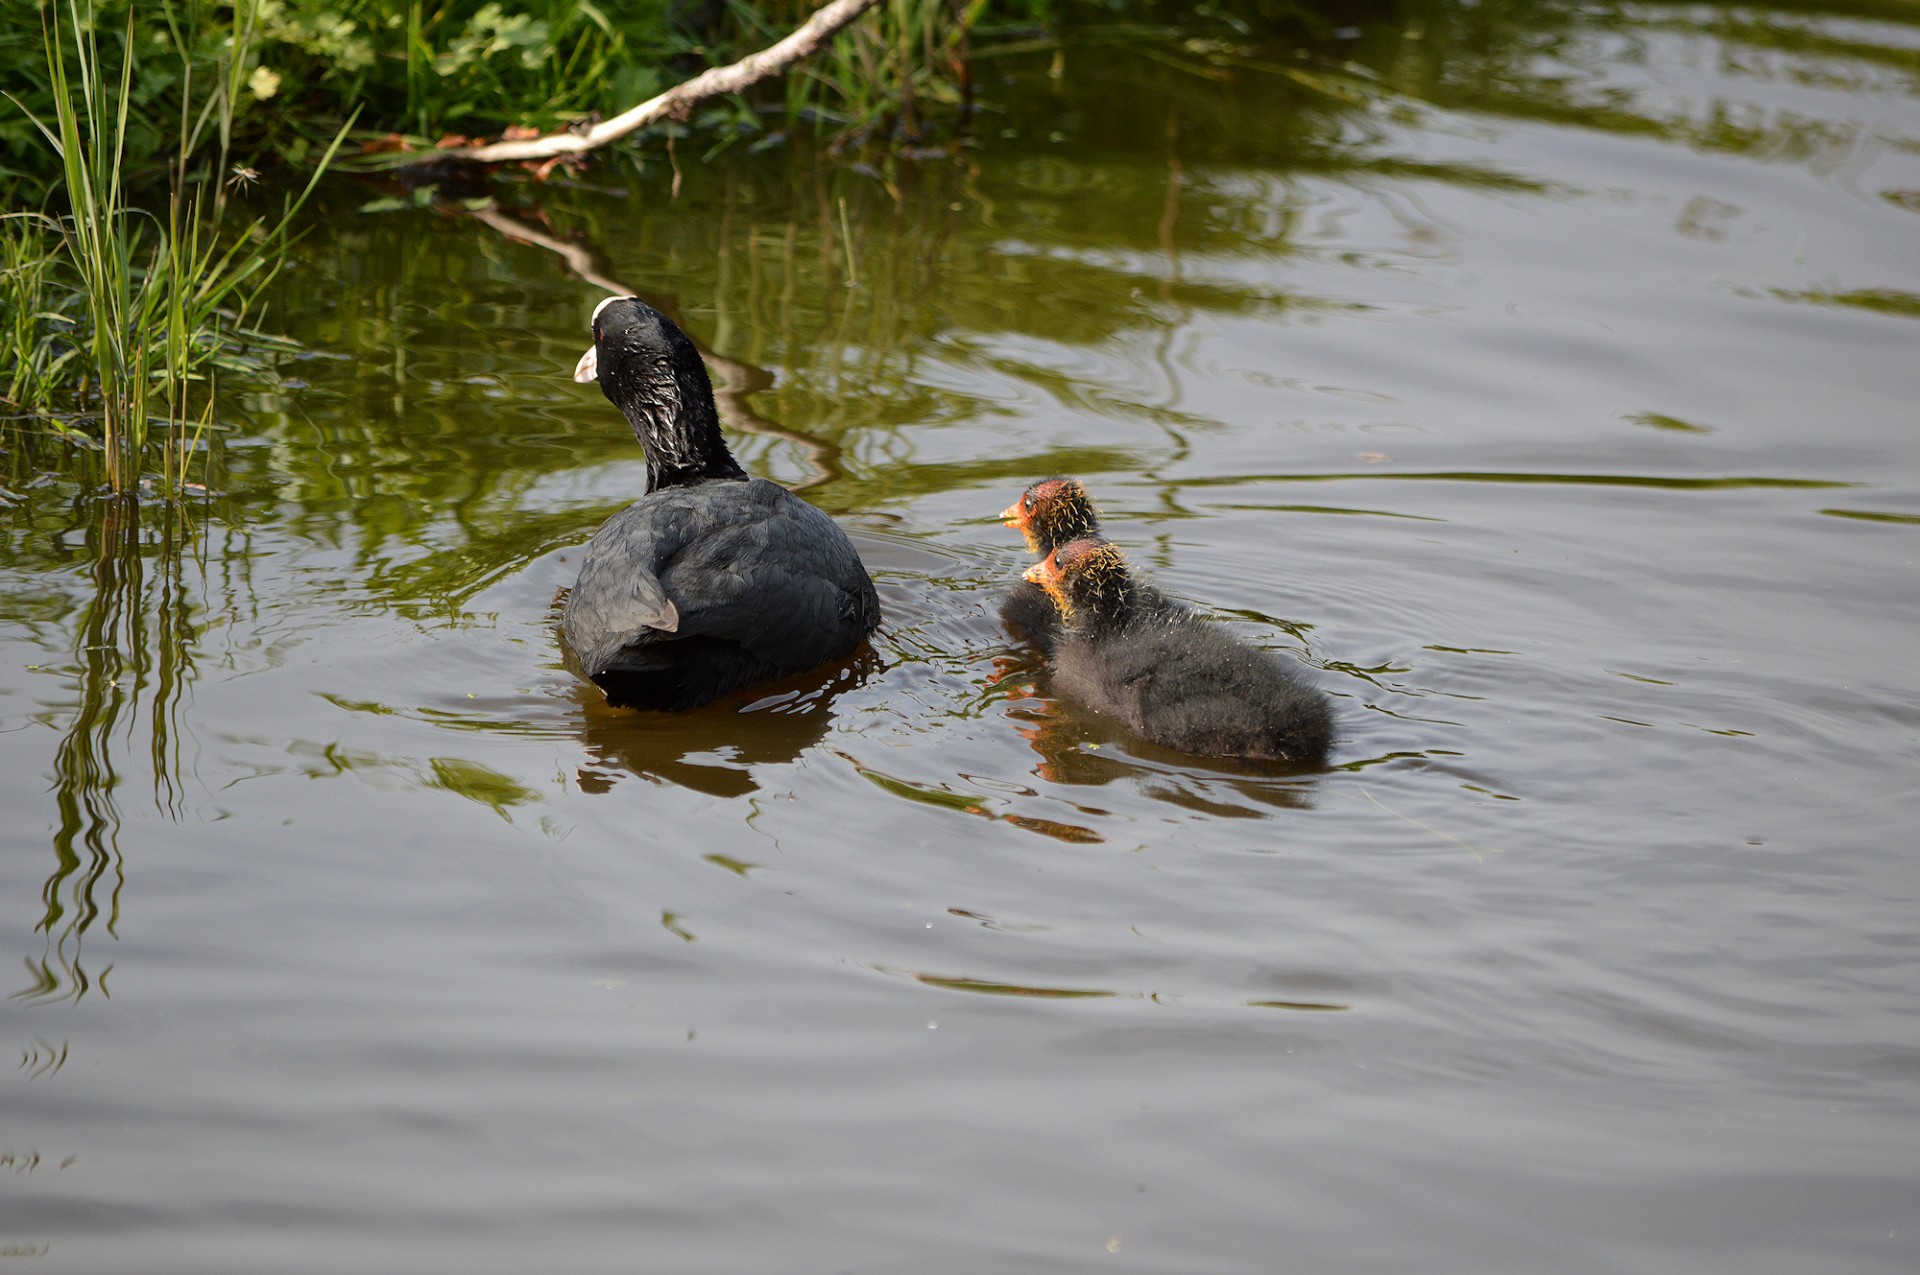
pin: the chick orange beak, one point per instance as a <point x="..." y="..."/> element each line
<point x="1041" y="572"/>
<point x="1012" y="517"/>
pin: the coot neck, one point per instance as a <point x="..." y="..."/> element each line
<point x="670" y="406"/>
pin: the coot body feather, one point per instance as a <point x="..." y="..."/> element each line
<point x="1172" y="676"/>
<point x="713" y="580"/>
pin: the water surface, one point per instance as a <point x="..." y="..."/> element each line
<point x="1543" y="379"/>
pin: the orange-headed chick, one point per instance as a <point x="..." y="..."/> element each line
<point x="1048" y="514"/>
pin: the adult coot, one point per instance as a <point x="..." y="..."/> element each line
<point x="1172" y="676"/>
<point x="1048" y="514"/>
<point x="712" y="580"/>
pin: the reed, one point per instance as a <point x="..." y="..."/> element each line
<point x="99" y="236"/>
<point x="147" y="304"/>
<point x="38" y="358"/>
<point x="891" y="76"/>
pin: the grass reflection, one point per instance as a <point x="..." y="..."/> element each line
<point x="134" y="669"/>
<point x="1655" y="481"/>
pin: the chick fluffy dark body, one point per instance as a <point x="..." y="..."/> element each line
<point x="1172" y="676"/>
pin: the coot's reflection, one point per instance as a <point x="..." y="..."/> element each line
<point x="715" y="749"/>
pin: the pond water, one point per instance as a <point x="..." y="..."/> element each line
<point x="1543" y="378"/>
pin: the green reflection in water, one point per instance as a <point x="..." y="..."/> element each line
<point x="1311" y="1006"/>
<point x="133" y="669"/>
<point x="1577" y="480"/>
<point x="1870" y="515"/>
<point x="1892" y="301"/>
<point x="437" y="419"/>
<point x="468" y="780"/>
<point x="477" y="783"/>
<point x="1322" y="509"/>
<point x="43" y="1059"/>
<point x="945" y="798"/>
<point x="1671" y="424"/>
<point x="432" y="429"/>
<point x="1557" y="63"/>
<point x="987" y="987"/>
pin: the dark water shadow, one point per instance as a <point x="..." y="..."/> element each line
<point x="717" y="748"/>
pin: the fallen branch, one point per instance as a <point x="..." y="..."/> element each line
<point x="676" y="101"/>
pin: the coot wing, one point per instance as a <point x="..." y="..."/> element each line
<point x="779" y="579"/>
<point x="619" y="599"/>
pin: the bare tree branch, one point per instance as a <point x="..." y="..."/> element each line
<point x="767" y="63"/>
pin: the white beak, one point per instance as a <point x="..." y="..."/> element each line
<point x="588" y="368"/>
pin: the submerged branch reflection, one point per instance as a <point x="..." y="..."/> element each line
<point x="733" y="380"/>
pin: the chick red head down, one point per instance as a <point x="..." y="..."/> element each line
<point x="1052" y="512"/>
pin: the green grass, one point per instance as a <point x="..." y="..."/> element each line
<point x="30" y="332"/>
<point x="120" y="314"/>
<point x="892" y="74"/>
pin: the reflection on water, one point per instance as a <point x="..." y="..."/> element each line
<point x="716" y="749"/>
<point x="1081" y="749"/>
<point x="964" y="797"/>
<point x="134" y="669"/>
<point x="43" y="1059"/>
<point x="990" y="987"/>
<point x="733" y="381"/>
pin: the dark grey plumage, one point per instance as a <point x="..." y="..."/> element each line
<point x="1172" y="676"/>
<point x="1029" y="613"/>
<point x="713" y="580"/>
<point x="1049" y="513"/>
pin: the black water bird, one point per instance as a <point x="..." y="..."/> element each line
<point x="713" y="580"/>
<point x="1173" y="677"/>
<point x="1049" y="513"/>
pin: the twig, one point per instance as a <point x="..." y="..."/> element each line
<point x="1477" y="858"/>
<point x="676" y="101"/>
